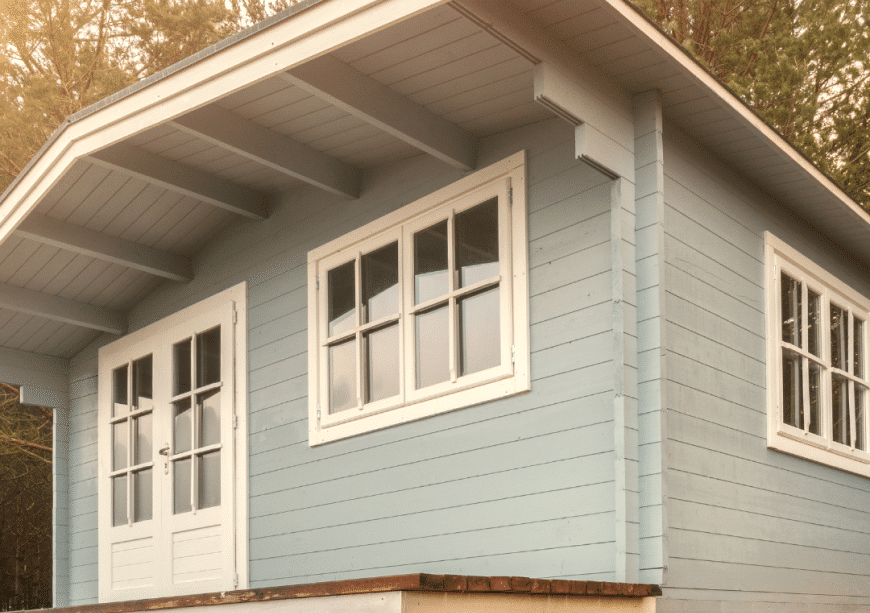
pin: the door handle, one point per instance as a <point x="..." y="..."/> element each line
<point x="165" y="453"/>
<point x="165" y="450"/>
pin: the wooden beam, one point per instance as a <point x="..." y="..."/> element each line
<point x="255" y="142"/>
<point x="182" y="179"/>
<point x="42" y="378"/>
<point x="347" y="88"/>
<point x="104" y="247"/>
<point x="61" y="309"/>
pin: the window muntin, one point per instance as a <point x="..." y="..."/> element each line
<point x="819" y="392"/>
<point x="411" y="313"/>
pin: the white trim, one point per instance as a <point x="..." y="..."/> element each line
<point x="781" y="257"/>
<point x="511" y="377"/>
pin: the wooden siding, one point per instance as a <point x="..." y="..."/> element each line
<point x="746" y="524"/>
<point x="519" y="486"/>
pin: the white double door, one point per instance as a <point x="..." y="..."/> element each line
<point x="166" y="437"/>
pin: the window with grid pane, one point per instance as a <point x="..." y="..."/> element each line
<point x="423" y="311"/>
<point x="818" y="376"/>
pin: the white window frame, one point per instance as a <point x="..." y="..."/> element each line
<point x="781" y="258"/>
<point x="507" y="181"/>
<point x="150" y="339"/>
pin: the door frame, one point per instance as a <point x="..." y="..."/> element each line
<point x="235" y="296"/>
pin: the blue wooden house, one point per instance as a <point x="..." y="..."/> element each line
<point x="413" y="305"/>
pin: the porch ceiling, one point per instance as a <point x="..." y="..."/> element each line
<point x="123" y="218"/>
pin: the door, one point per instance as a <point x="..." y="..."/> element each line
<point x="166" y="438"/>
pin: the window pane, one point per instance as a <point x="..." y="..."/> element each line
<point x="792" y="389"/>
<point x="860" y="417"/>
<point x="342" y="299"/>
<point x="791" y="311"/>
<point x="142" y="438"/>
<point x="382" y="360"/>
<point x="342" y="376"/>
<point x="858" y="350"/>
<point x="480" y="344"/>
<point x="119" y="445"/>
<point x="182" y="428"/>
<point x="142" y="383"/>
<point x="119" y="500"/>
<point x="209" y="490"/>
<point x="430" y="262"/>
<point x="119" y="384"/>
<point x="815" y="398"/>
<point x="181" y="486"/>
<point x="839" y="337"/>
<point x="432" y="349"/>
<point x="142" y="494"/>
<point x="477" y="243"/>
<point x="380" y="282"/>
<point x="814" y="317"/>
<point x="840" y="410"/>
<point x="210" y="418"/>
<point x="181" y="367"/>
<point x="208" y="357"/>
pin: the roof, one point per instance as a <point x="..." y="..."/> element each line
<point x="127" y="192"/>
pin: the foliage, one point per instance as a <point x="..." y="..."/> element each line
<point x="25" y="503"/>
<point x="59" y="56"/>
<point x="803" y="65"/>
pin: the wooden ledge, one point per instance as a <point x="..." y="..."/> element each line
<point x="418" y="582"/>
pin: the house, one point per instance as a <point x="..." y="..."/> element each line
<point x="423" y="305"/>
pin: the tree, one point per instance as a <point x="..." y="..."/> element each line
<point x="25" y="503"/>
<point x="803" y="65"/>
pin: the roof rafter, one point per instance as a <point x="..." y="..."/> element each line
<point x="104" y="247"/>
<point x="183" y="179"/>
<point x="360" y="95"/>
<point x="28" y="301"/>
<point x="256" y="142"/>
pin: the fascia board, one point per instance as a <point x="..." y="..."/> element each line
<point x="320" y="29"/>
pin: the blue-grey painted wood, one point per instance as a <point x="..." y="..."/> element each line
<point x="60" y="508"/>
<point x="747" y="526"/>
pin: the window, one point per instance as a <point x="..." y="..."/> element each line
<point x="817" y="339"/>
<point x="422" y="311"/>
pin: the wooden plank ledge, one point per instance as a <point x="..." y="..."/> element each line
<point x="417" y="582"/>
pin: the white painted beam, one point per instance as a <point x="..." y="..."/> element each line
<point x="182" y="179"/>
<point x="104" y="247"/>
<point x="255" y="142"/>
<point x="43" y="379"/>
<point x="61" y="309"/>
<point x="347" y="88"/>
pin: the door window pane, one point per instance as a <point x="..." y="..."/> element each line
<point x="142" y="383"/>
<point x="815" y="398"/>
<point x="382" y="358"/>
<point x="791" y="310"/>
<point x="840" y="410"/>
<point x="142" y="494"/>
<point x="119" y="445"/>
<point x="119" y="385"/>
<point x="860" y="417"/>
<point x="430" y="263"/>
<point x="209" y="478"/>
<point x="432" y="347"/>
<point x="208" y="357"/>
<point x="119" y="500"/>
<point x="839" y="337"/>
<point x="380" y="282"/>
<point x="210" y="418"/>
<point x="181" y="474"/>
<point x="792" y="389"/>
<point x="479" y="326"/>
<point x="182" y="426"/>
<point x="342" y="376"/>
<point x="181" y="367"/>
<point x="142" y="438"/>
<point x="858" y="350"/>
<point x="814" y="322"/>
<point x="477" y="243"/>
<point x="342" y="299"/>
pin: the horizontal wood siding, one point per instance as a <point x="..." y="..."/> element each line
<point x="747" y="525"/>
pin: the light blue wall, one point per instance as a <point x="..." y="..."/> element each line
<point x="761" y="529"/>
<point x="522" y="486"/>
